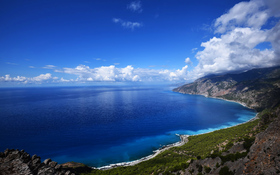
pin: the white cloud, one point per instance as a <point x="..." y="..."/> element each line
<point x="9" y="78"/>
<point x="49" y="67"/>
<point x="127" y="24"/>
<point x="128" y="73"/>
<point x="253" y="14"/>
<point x="241" y="31"/>
<point x="22" y="79"/>
<point x="111" y="73"/>
<point x="99" y="59"/>
<point x="135" y="6"/>
<point x="64" y="80"/>
<point x="42" y="77"/>
<point x="11" y="63"/>
<point x="188" y="61"/>
<point x="193" y="50"/>
<point x="32" y="67"/>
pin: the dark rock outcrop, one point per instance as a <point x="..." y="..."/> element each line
<point x="15" y="162"/>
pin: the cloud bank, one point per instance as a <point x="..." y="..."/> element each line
<point x="126" y="74"/>
<point x="38" y="79"/>
<point x="105" y="74"/>
<point x="241" y="29"/>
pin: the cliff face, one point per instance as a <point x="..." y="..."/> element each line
<point x="257" y="88"/>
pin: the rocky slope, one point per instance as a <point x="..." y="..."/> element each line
<point x="257" y="88"/>
<point x="263" y="156"/>
<point x="15" y="162"/>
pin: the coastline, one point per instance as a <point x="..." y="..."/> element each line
<point x="241" y="103"/>
<point x="184" y="139"/>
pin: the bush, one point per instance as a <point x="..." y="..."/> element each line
<point x="191" y="171"/>
<point x="229" y="145"/>
<point x="248" y="142"/>
<point x="207" y="169"/>
<point x="184" y="165"/>
<point x="225" y="171"/>
<point x="199" y="167"/>
<point x="217" y="165"/>
<point x="233" y="157"/>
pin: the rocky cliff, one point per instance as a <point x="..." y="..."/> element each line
<point x="15" y="162"/>
<point x="257" y="88"/>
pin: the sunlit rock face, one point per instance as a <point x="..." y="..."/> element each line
<point x="255" y="88"/>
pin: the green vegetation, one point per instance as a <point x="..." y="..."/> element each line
<point x="198" y="147"/>
<point x="207" y="169"/>
<point x="233" y="157"/>
<point x="225" y="171"/>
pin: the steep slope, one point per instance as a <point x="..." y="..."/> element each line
<point x="257" y="88"/>
<point x="262" y="156"/>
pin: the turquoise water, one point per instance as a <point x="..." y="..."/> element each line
<point x="101" y="125"/>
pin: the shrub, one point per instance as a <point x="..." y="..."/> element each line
<point x="229" y="145"/>
<point x="225" y="171"/>
<point x="207" y="169"/>
<point x="184" y="165"/>
<point x="217" y="165"/>
<point x="199" y="168"/>
<point x="248" y="142"/>
<point x="233" y="157"/>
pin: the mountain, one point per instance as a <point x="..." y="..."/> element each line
<point x="256" y="88"/>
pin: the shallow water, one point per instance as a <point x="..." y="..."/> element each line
<point x="101" y="125"/>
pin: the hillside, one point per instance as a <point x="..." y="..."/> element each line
<point x="257" y="88"/>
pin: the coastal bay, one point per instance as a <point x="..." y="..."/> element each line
<point x="99" y="126"/>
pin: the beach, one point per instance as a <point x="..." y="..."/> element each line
<point x="184" y="139"/>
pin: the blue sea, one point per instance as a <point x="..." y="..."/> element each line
<point x="101" y="125"/>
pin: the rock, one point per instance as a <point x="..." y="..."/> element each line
<point x="15" y="162"/>
<point x="46" y="171"/>
<point x="25" y="157"/>
<point x="67" y="173"/>
<point x="52" y="164"/>
<point x="264" y="155"/>
<point x="57" y="167"/>
<point x="47" y="161"/>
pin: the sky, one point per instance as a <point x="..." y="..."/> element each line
<point x="71" y="42"/>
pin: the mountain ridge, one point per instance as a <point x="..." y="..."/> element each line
<point x="256" y="88"/>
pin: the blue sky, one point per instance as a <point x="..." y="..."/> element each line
<point x="62" y="42"/>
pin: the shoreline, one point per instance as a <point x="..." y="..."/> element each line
<point x="241" y="103"/>
<point x="184" y="139"/>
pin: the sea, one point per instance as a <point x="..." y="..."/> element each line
<point x="102" y="125"/>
